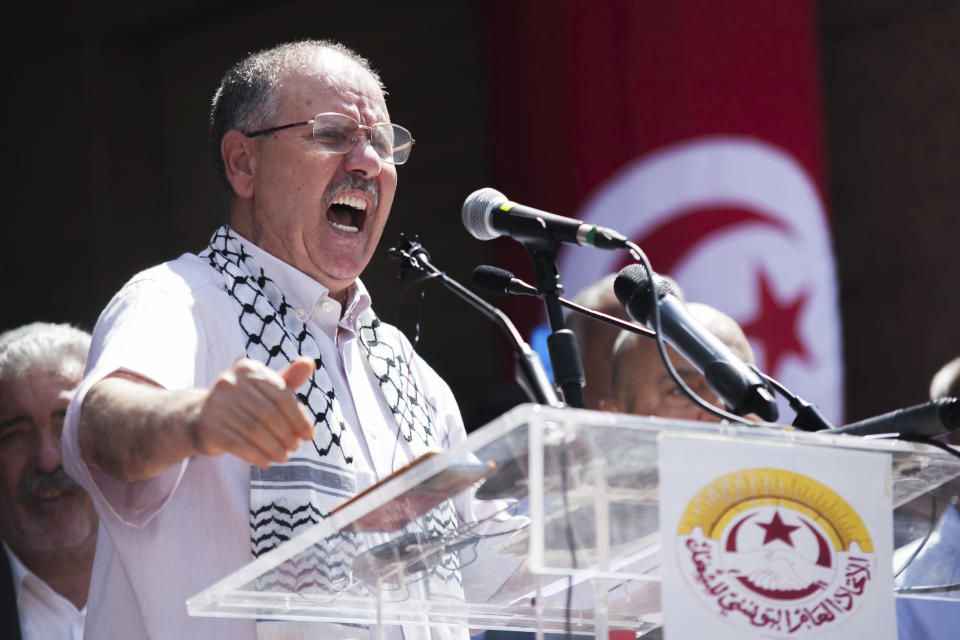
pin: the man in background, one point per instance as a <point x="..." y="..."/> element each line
<point x="48" y="523"/>
<point x="595" y="340"/>
<point x="946" y="384"/>
<point x="641" y="385"/>
<point x="946" y="381"/>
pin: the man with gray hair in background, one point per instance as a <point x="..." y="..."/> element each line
<point x="641" y="384"/>
<point x="946" y="381"/>
<point x="48" y="524"/>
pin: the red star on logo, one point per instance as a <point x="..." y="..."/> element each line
<point x="777" y="530"/>
<point x="776" y="326"/>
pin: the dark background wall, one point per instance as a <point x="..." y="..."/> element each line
<point x="109" y="171"/>
<point x="891" y="79"/>
<point x="112" y="172"/>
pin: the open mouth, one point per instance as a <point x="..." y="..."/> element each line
<point x="49" y="497"/>
<point x="49" y="493"/>
<point x="347" y="213"/>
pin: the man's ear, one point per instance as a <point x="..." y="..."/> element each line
<point x="608" y="404"/>
<point x="237" y="152"/>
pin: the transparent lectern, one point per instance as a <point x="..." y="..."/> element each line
<point x="543" y="520"/>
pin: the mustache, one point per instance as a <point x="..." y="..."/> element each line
<point x="40" y="481"/>
<point x="352" y="182"/>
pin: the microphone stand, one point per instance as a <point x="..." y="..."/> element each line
<point x="529" y="372"/>
<point x="808" y="417"/>
<point x="561" y="343"/>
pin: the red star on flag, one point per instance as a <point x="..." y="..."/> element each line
<point x="776" y="326"/>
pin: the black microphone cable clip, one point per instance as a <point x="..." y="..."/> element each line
<point x="410" y="254"/>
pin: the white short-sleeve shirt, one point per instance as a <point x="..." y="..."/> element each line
<point x="166" y="539"/>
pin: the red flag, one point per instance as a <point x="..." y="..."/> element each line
<point x="694" y="128"/>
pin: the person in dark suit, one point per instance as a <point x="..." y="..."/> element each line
<point x="48" y="525"/>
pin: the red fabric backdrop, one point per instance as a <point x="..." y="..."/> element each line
<point x="580" y="90"/>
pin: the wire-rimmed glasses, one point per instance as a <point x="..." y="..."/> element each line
<point x="338" y="133"/>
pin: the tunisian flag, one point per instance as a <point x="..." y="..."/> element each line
<point x="694" y="128"/>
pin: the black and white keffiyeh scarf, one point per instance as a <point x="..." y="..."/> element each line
<point x="285" y="499"/>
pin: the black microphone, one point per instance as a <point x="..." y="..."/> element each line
<point x="488" y="214"/>
<point x="497" y="281"/>
<point x="741" y="388"/>
<point x="500" y="282"/>
<point x="930" y="419"/>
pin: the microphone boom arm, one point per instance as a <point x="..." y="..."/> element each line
<point x="530" y="374"/>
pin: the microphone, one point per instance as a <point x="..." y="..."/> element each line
<point x="497" y="281"/>
<point x="500" y="282"/>
<point x="741" y="389"/>
<point x="488" y="214"/>
<point x="930" y="419"/>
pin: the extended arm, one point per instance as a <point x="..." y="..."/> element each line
<point x="134" y="430"/>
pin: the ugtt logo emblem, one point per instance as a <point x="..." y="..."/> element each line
<point x="776" y="552"/>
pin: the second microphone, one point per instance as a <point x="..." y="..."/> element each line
<point x="741" y="389"/>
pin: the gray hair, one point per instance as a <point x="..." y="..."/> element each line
<point x="600" y="296"/>
<point x="630" y="346"/>
<point x="946" y="382"/>
<point x="246" y="99"/>
<point x="55" y="347"/>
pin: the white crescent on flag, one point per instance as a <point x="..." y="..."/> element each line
<point x="740" y="225"/>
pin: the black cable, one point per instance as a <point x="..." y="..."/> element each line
<point x="420" y="305"/>
<point x="416" y="325"/>
<point x="638" y="254"/>
<point x="499" y="282"/>
<point x="807" y="417"/>
<point x="419" y="316"/>
<point x="923" y="543"/>
<point x="915" y="437"/>
<point x="932" y="588"/>
<point x="530" y="374"/>
<point x="425" y="277"/>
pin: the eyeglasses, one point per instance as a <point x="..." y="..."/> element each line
<point x="338" y="133"/>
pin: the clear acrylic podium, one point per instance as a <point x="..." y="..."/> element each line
<point x="543" y="519"/>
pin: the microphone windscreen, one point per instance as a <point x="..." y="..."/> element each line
<point x="950" y="412"/>
<point x="632" y="288"/>
<point x="628" y="280"/>
<point x="476" y="212"/>
<point x="490" y="279"/>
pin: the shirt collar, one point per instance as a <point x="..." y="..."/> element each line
<point x="302" y="292"/>
<point x="358" y="301"/>
<point x="17" y="570"/>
